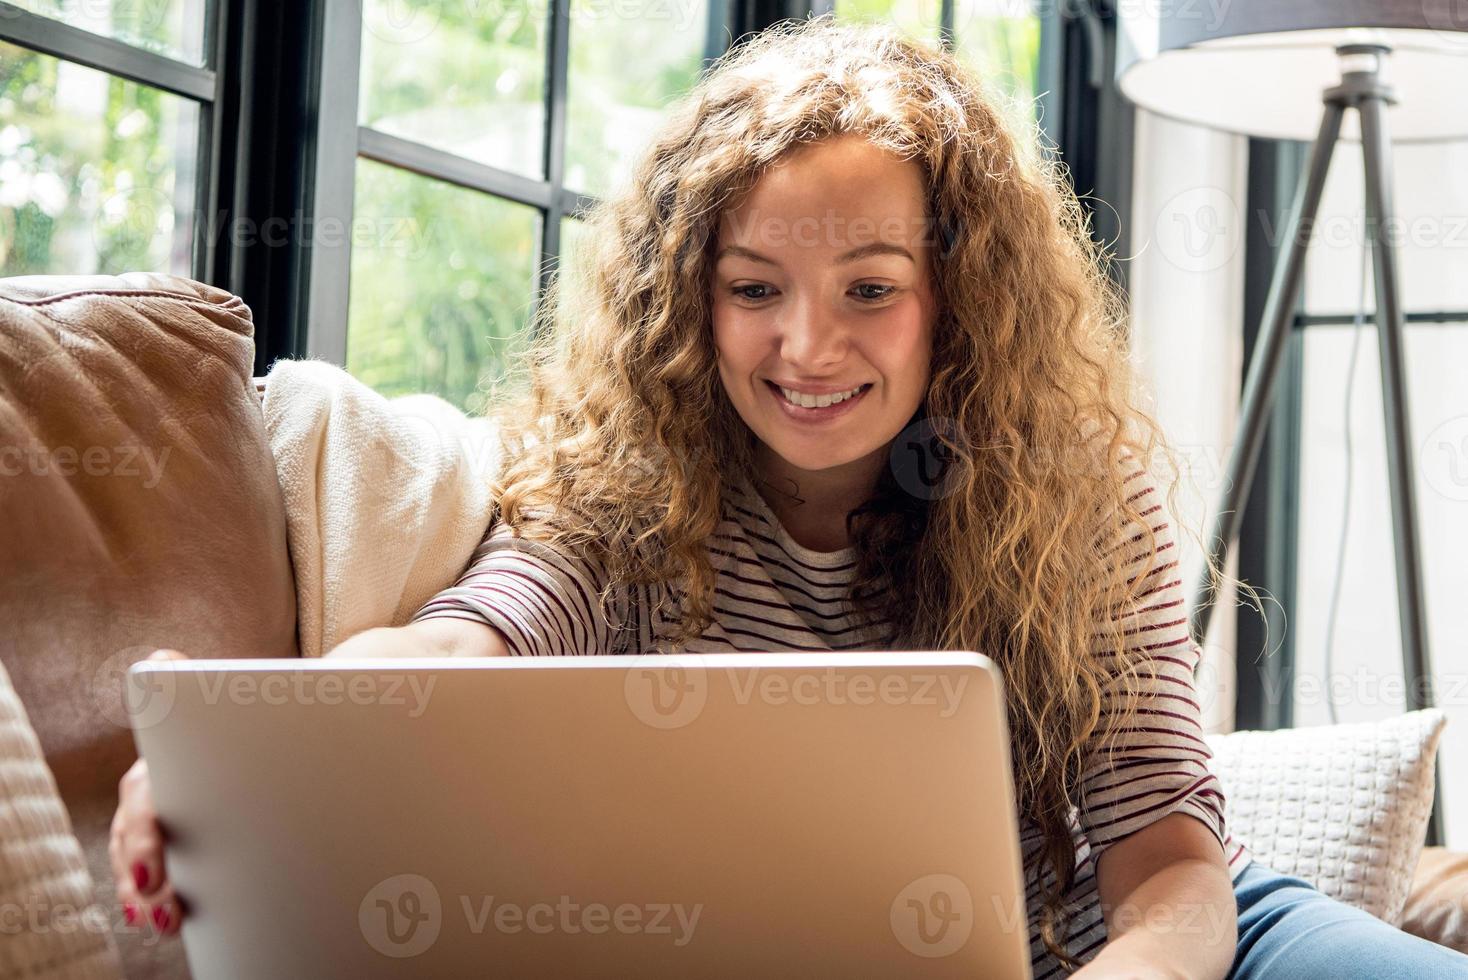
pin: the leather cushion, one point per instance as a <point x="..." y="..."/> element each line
<point x="141" y="511"/>
<point x="1437" y="907"/>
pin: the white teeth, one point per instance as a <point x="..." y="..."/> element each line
<point x="818" y="401"/>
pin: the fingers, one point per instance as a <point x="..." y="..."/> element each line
<point x="167" y="655"/>
<point x="135" y="848"/>
<point x="162" y="913"/>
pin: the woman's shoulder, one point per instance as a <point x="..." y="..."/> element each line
<point x="546" y="593"/>
<point x="596" y="543"/>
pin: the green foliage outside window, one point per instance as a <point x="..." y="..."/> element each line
<point x="442" y="284"/>
<point x="96" y="172"/>
<point x="1000" y="39"/>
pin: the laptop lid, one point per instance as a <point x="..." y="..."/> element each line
<point x="792" y="814"/>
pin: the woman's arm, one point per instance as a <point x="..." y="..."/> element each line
<point x="1168" y="898"/>
<point x="1169" y="905"/>
<point x="439" y="637"/>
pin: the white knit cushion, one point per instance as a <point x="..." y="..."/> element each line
<point x="1344" y="807"/>
<point x="52" y="931"/>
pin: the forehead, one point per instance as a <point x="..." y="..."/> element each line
<point x="845" y="184"/>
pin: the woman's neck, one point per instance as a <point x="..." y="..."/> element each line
<point x="812" y="504"/>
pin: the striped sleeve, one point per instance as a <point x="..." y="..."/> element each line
<point x="544" y="600"/>
<point x="1158" y="763"/>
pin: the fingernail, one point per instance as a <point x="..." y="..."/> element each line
<point x="130" y="913"/>
<point x="140" y="876"/>
<point x="160" y="917"/>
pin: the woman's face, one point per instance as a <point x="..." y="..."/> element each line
<point x="821" y="288"/>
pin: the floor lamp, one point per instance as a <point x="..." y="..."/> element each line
<point x="1290" y="69"/>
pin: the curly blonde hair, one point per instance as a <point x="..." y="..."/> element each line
<point x="620" y="437"/>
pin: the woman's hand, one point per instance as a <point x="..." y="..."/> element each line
<point x="442" y="637"/>
<point x="136" y="849"/>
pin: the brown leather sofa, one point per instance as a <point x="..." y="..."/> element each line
<point x="141" y="510"/>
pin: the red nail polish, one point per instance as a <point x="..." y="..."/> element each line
<point x="130" y="913"/>
<point x="140" y="876"/>
<point x="160" y="917"/>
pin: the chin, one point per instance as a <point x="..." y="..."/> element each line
<point x="816" y="458"/>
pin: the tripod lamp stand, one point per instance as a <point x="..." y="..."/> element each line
<point x="1291" y="69"/>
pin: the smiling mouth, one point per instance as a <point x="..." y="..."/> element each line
<point x="797" y="399"/>
<point x="815" y="411"/>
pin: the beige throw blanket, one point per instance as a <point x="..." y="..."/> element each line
<point x="385" y="498"/>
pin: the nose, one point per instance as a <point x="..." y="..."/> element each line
<point x="812" y="340"/>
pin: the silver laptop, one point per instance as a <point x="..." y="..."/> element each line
<point x="715" y="815"/>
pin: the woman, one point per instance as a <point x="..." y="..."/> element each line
<point x="843" y="372"/>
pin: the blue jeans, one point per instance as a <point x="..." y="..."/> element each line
<point x="1290" y="931"/>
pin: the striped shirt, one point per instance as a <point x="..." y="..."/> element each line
<point x="772" y="593"/>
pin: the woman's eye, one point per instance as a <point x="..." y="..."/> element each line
<point x="888" y="291"/>
<point x="739" y="292"/>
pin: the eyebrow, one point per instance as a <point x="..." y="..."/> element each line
<point x="865" y="251"/>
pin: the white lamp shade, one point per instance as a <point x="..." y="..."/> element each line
<point x="1261" y="67"/>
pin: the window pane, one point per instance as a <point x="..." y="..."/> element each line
<point x="468" y="78"/>
<point x="1003" y="43"/>
<point x="1367" y="659"/>
<point x="97" y="174"/>
<point x="1000" y="38"/>
<point x="1429" y="228"/>
<point x="571" y="232"/>
<point x="168" y="27"/>
<point x="442" y="284"/>
<point x="918" y="19"/>
<point x="628" y="61"/>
